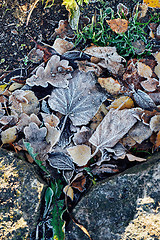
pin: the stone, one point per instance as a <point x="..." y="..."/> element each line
<point x="20" y="197"/>
<point x="123" y="207"/>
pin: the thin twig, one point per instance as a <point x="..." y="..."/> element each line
<point x="31" y="10"/>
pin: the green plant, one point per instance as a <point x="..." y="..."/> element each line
<point x="99" y="33"/>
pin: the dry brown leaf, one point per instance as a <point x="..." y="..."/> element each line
<point x="140" y="132"/>
<point x="53" y="135"/>
<point x="127" y="141"/>
<point x="79" y="182"/>
<point x="118" y="25"/>
<point x="113" y="127"/>
<point x="139" y="46"/>
<point x="61" y="46"/>
<point x="150" y="85"/>
<point x="82" y="136"/>
<point x="110" y="84"/>
<point x="56" y="72"/>
<point x="86" y="66"/>
<point x="155" y="123"/>
<point x="64" y="30"/>
<point x="132" y="158"/>
<point x="110" y="59"/>
<point x="24" y="102"/>
<point x="35" y="55"/>
<point x="52" y="119"/>
<point x="9" y="135"/>
<point x="122" y="103"/>
<point x="157" y="140"/>
<point x="80" y="154"/>
<point x="157" y="68"/>
<point x="68" y="190"/>
<point x="97" y="119"/>
<point x="144" y="70"/>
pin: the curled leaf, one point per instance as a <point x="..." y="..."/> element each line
<point x="68" y="190"/>
<point x="155" y="123"/>
<point x="56" y="73"/>
<point x="80" y="154"/>
<point x="132" y="158"/>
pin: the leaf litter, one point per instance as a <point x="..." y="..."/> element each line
<point x="81" y="113"/>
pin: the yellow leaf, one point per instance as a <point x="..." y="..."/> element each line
<point x="122" y="103"/>
<point x="118" y="25"/>
<point x="68" y="190"/>
<point x="152" y="3"/>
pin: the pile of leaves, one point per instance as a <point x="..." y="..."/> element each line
<point x="79" y="115"/>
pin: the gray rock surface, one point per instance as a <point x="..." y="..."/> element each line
<point x="20" y="197"/>
<point x="121" y="206"/>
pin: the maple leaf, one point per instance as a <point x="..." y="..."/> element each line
<point x="80" y="101"/>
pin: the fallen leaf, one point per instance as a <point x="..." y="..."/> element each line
<point x="79" y="182"/>
<point x="82" y="136"/>
<point x="86" y="66"/>
<point x="56" y="72"/>
<point x="64" y="30"/>
<point x="122" y="103"/>
<point x="157" y="68"/>
<point x="68" y="190"/>
<point x="157" y="140"/>
<point x="111" y="85"/>
<point x="155" y="123"/>
<point x="143" y="100"/>
<point x="110" y="59"/>
<point x="14" y="86"/>
<point x="150" y="85"/>
<point x="140" y="132"/>
<point x="97" y="119"/>
<point x="9" y="135"/>
<point x="139" y="46"/>
<point x="24" y="102"/>
<point x="152" y="3"/>
<point x="80" y="101"/>
<point x="80" y="154"/>
<point x="60" y="161"/>
<point x="144" y="70"/>
<point x="118" y="25"/>
<point x="37" y="138"/>
<point x="132" y="158"/>
<point x="24" y="120"/>
<point x="62" y="46"/>
<point x="53" y="134"/>
<point x="51" y="119"/>
<point x="105" y="168"/>
<point x="113" y="127"/>
<point x="35" y="55"/>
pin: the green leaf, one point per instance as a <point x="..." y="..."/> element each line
<point x="48" y="200"/>
<point x="57" y="222"/>
<point x="33" y="155"/>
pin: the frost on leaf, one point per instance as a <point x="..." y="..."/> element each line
<point x="61" y="46"/>
<point x="35" y="55"/>
<point x="37" y="138"/>
<point x="52" y="119"/>
<point x="82" y="136"/>
<point x="24" y="120"/>
<point x="140" y="132"/>
<point x="68" y="190"/>
<point x="110" y="84"/>
<point x="113" y="127"/>
<point x="60" y="161"/>
<point x="80" y="100"/>
<point x="109" y="58"/>
<point x="143" y="100"/>
<point x="9" y="135"/>
<point x="132" y="158"/>
<point x="150" y="85"/>
<point x="155" y="123"/>
<point x="24" y="102"/>
<point x="144" y="70"/>
<point x="56" y="72"/>
<point x="53" y="135"/>
<point x="80" y="154"/>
